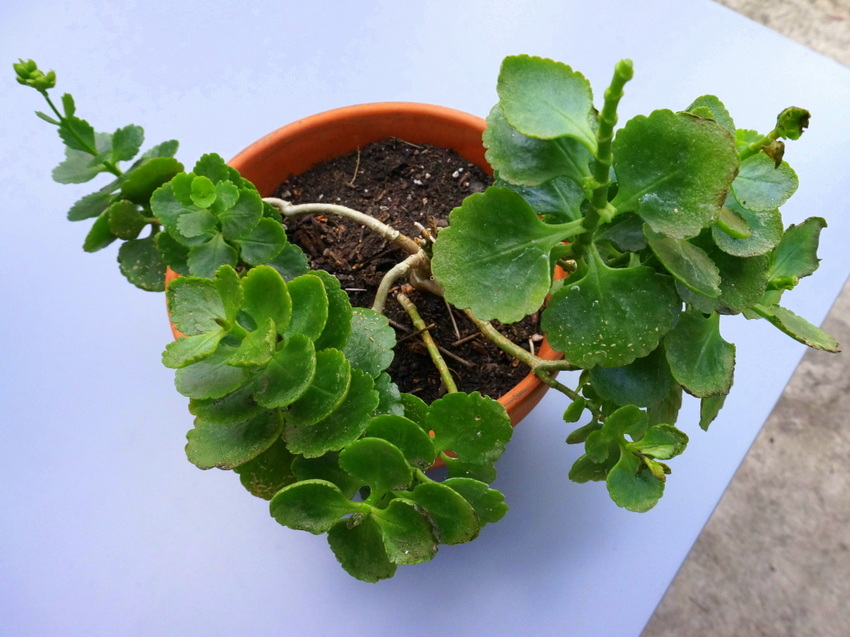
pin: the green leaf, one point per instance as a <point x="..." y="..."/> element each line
<point x="358" y="546"/>
<point x="79" y="135"/>
<point x="370" y="342"/>
<point x="140" y="261"/>
<point x="199" y="226"/>
<point x="288" y="374"/>
<point x="686" y="262"/>
<point x="195" y="305"/>
<point x="203" y="192"/>
<point x="765" y="228"/>
<point x="660" y="441"/>
<point x="213" y="167"/>
<point x="326" y="467"/>
<point x="674" y="170"/>
<point x="389" y="396"/>
<point x="229" y="287"/>
<point x="610" y="317"/>
<point x="77" y="168"/>
<point x="700" y="360"/>
<point x="238" y="222"/>
<point x="227" y="446"/>
<point x="309" y="306"/>
<point x="494" y="257"/>
<point x="488" y="503"/>
<point x="454" y="517"/>
<point x="338" y="326"/>
<point x="415" y="409"/>
<point x="341" y="427"/>
<point x="797" y="252"/>
<point x="642" y="382"/>
<point x="528" y="161"/>
<point x="625" y="232"/>
<point x="205" y="259"/>
<point x="257" y="346"/>
<point x="407" y="534"/>
<point x="715" y="109"/>
<point x="407" y="436"/>
<point x="126" y="142"/>
<point x="291" y="262"/>
<point x="211" y="377"/>
<point x="326" y="392"/>
<point x="163" y="149"/>
<point x="226" y="196"/>
<point x="141" y="182"/>
<point x="310" y="505"/>
<point x="732" y="224"/>
<point x="378" y="463"/>
<point x="558" y="200"/>
<point x="125" y="220"/>
<point x="481" y="471"/>
<point x="266" y="296"/>
<point x="760" y="185"/>
<point x="234" y="407"/>
<point x="709" y="408"/>
<point x="473" y="426"/>
<point x="667" y="409"/>
<point x="632" y="485"/>
<point x="268" y="473"/>
<point x="191" y="349"/>
<point x="173" y="253"/>
<point x="90" y="206"/>
<point x="263" y="243"/>
<point x="798" y="328"/>
<point x="546" y="99"/>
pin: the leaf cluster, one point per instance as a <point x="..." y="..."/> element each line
<point x="665" y="225"/>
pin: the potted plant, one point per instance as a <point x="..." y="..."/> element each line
<point x="661" y="227"/>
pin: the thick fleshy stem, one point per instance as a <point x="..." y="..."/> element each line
<point x="431" y="346"/>
<point x="289" y="210"/>
<point x="418" y="260"/>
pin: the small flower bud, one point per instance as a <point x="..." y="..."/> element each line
<point x="29" y="74"/>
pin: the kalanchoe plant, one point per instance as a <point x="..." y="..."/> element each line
<point x="661" y="227"/>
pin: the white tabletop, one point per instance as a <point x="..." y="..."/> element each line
<point x="106" y="529"/>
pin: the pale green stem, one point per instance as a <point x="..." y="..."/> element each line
<point x="418" y="260"/>
<point x="431" y="346"/>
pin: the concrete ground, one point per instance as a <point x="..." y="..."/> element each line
<point x="774" y="558"/>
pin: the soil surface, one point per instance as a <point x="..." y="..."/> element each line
<point x="411" y="188"/>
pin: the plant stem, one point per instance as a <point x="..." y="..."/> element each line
<point x="600" y="210"/>
<point x="418" y="260"/>
<point x="433" y="350"/>
<point x="753" y="149"/>
<point x="289" y="210"/>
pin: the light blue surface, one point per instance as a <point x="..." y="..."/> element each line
<point x="106" y="529"/>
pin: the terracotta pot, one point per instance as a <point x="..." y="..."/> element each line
<point x="297" y="147"/>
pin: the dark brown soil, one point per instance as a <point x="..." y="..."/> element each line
<point x="403" y="184"/>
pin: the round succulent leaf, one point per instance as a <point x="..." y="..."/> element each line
<point x="474" y="427"/>
<point x="181" y="187"/>
<point x="632" y="485"/>
<point x="229" y="445"/>
<point x="341" y="427"/>
<point x="257" y="347"/>
<point x="389" y="396"/>
<point x="240" y="219"/>
<point x="269" y="472"/>
<point x="287" y="375"/>
<point x="415" y="409"/>
<point x="265" y="295"/>
<point x="731" y="223"/>
<point x="546" y="99"/>
<point x="140" y="261"/>
<point x="584" y="469"/>
<point x="610" y="316"/>
<point x="290" y="262"/>
<point x="700" y="360"/>
<point x="126" y="142"/>
<point x="263" y="243"/>
<point x="489" y="504"/>
<point x="558" y="200"/>
<point x="407" y="436"/>
<point x="213" y="167"/>
<point x="716" y="110"/>
<point x="326" y="392"/>
<point x="527" y="161"/>
<point x="407" y="533"/>
<point x="625" y="232"/>
<point x="143" y="180"/>
<point x="310" y="505"/>
<point x="455" y="518"/>
<point x="797" y="252"/>
<point x="226" y="196"/>
<point x="378" y="463"/>
<point x="326" y="467"/>
<point x="338" y="326"/>
<point x="642" y="382"/>
<point x="195" y="305"/>
<point x="761" y="185"/>
<point x="370" y="342"/>
<point x="674" y="170"/>
<point x="205" y="259"/>
<point x="174" y="254"/>
<point x="765" y="228"/>
<point x="481" y="471"/>
<point x="686" y="262"/>
<point x="358" y="545"/>
<point x="197" y="227"/>
<point x="78" y="167"/>
<point x="125" y="220"/>
<point x="99" y="235"/>
<point x="202" y="192"/>
<point x="229" y="286"/>
<point x="90" y="206"/>
<point x="493" y="259"/>
<point x="191" y="349"/>
<point x="309" y="307"/>
<point x="661" y="442"/>
<point x="667" y="409"/>
<point x="211" y="377"/>
<point x="233" y="407"/>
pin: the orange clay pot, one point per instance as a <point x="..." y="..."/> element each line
<point x="298" y="147"/>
